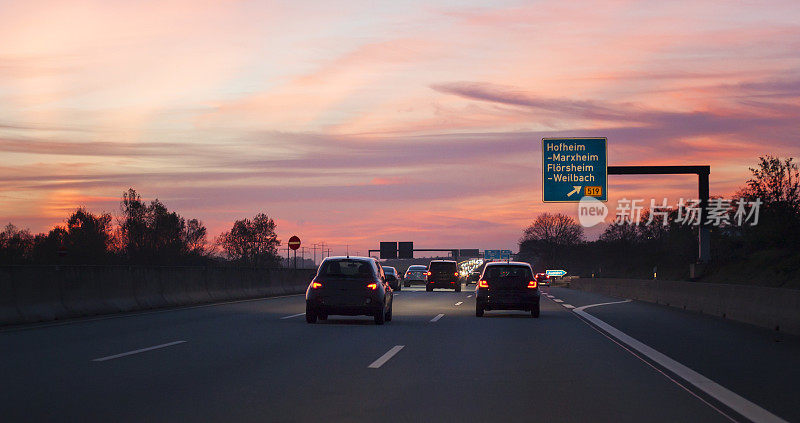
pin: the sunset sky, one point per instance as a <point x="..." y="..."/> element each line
<point x="357" y="122"/>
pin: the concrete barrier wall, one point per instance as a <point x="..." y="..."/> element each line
<point x="42" y="293"/>
<point x="772" y="308"/>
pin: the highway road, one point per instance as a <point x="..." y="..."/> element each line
<point x="260" y="361"/>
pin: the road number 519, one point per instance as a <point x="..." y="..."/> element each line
<point x="594" y="191"/>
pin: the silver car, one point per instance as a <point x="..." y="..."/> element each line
<point x="415" y="273"/>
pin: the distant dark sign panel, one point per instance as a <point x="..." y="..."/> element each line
<point x="406" y="250"/>
<point x="388" y="250"/>
<point x="469" y="253"/>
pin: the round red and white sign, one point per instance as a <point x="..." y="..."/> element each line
<point x="294" y="242"/>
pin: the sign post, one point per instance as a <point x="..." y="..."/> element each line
<point x="573" y="168"/>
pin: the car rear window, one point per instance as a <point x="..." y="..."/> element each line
<point x="346" y="268"/>
<point x="443" y="266"/>
<point x="516" y="272"/>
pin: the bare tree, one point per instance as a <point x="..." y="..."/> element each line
<point x="252" y="242"/>
<point x="556" y="229"/>
<point x="548" y="238"/>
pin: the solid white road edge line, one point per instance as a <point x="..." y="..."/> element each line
<point x="293" y="315"/>
<point x="735" y="402"/>
<point x="438" y="316"/>
<point x="155" y="347"/>
<point x="384" y="358"/>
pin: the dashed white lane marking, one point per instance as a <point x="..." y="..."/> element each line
<point x="459" y="303"/>
<point x="568" y="305"/>
<point x="155" y="347"/>
<point x="469" y="296"/>
<point x="438" y="316"/>
<point x="384" y="358"/>
<point x="293" y="315"/>
<point x="731" y="399"/>
<point x="558" y="301"/>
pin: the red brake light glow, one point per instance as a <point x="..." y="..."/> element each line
<point x="455" y="274"/>
<point x="315" y="285"/>
<point x="372" y="286"/>
<point x="428" y="273"/>
<point x="532" y="284"/>
<point x="483" y="284"/>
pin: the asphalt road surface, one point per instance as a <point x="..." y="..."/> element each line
<point x="260" y="361"/>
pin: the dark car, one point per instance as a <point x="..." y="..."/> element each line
<point x="507" y="286"/>
<point x="543" y="278"/>
<point x="350" y="286"/>
<point x="415" y="273"/>
<point x="442" y="274"/>
<point x="392" y="277"/>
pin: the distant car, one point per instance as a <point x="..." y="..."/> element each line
<point x="350" y="286"/>
<point x="507" y="286"/>
<point x="474" y="276"/>
<point x="415" y="273"/>
<point x="543" y="279"/>
<point x="392" y="277"/>
<point x="442" y="274"/>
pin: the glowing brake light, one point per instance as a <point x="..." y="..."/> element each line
<point x="532" y="284"/>
<point x="372" y="286"/>
<point x="456" y="274"/>
<point x="483" y="284"/>
<point x="316" y="285"/>
<point x="428" y="273"/>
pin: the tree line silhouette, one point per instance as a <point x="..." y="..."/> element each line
<point x="765" y="254"/>
<point x="143" y="234"/>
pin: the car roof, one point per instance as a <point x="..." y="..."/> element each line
<point x="443" y="261"/>
<point x="388" y="267"/>
<point x="356" y="258"/>
<point x="508" y="263"/>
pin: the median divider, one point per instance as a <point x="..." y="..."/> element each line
<point x="772" y="308"/>
<point x="43" y="293"/>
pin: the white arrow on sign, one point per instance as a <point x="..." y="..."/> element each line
<point x="574" y="191"/>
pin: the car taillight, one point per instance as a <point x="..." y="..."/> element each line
<point x="373" y="286"/>
<point x="532" y="284"/>
<point x="456" y="274"/>
<point x="483" y="284"/>
<point x="428" y="273"/>
<point x="316" y="285"/>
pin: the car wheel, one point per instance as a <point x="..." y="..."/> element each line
<point x="458" y="287"/>
<point x="380" y="317"/>
<point x="535" y="311"/>
<point x="407" y="285"/>
<point x="322" y="316"/>
<point x="389" y="314"/>
<point x="311" y="316"/>
<point x="478" y="311"/>
<point x="428" y="289"/>
<point x="399" y="287"/>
